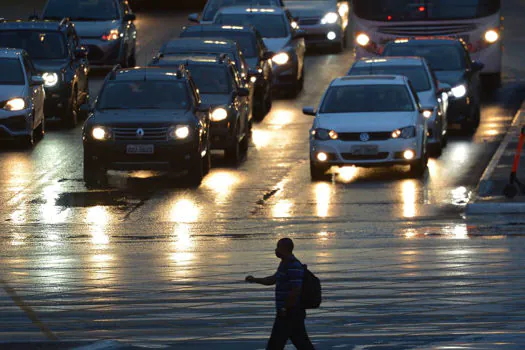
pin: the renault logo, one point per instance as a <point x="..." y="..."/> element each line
<point x="140" y="133"/>
<point x="364" y="137"/>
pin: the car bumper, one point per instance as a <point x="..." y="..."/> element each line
<point x="459" y="110"/>
<point x="103" y="53"/>
<point x="390" y="152"/>
<point x="166" y="156"/>
<point x="285" y="76"/>
<point x="222" y="135"/>
<point x="15" y="124"/>
<point x="434" y="129"/>
<point x="56" y="102"/>
<point x="318" y="34"/>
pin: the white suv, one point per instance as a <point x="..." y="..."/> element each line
<point x="368" y="121"/>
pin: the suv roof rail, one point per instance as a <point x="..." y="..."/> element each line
<point x="114" y="70"/>
<point x="63" y="22"/>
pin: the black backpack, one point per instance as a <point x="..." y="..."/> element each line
<point x="311" y="292"/>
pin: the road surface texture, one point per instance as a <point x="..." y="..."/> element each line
<point x="148" y="261"/>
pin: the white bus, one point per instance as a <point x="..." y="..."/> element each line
<point x="477" y="22"/>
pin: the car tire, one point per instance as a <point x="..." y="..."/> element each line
<point x="132" y="60"/>
<point x="437" y="149"/>
<point x="472" y="123"/>
<point x="300" y="83"/>
<point x="195" y="172"/>
<point x="245" y="143"/>
<point x="233" y="152"/>
<point x="268" y="101"/>
<point x="444" y="140"/>
<point x="206" y="161"/>
<point x="260" y="108"/>
<point x="71" y="117"/>
<point x="319" y="173"/>
<point x="418" y="169"/>
<point x="94" y="174"/>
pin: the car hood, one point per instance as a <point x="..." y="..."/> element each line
<point x="211" y="100"/>
<point x="451" y="77"/>
<point x="302" y="9"/>
<point x="43" y="66"/>
<point x="94" y="29"/>
<point x="427" y="98"/>
<point x="365" y="122"/>
<point x="276" y="44"/>
<point x="142" y="117"/>
<point x="8" y="92"/>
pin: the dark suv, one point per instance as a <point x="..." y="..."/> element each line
<point x="147" y="119"/>
<point x="221" y="90"/>
<point x="58" y="56"/>
<point x="105" y="27"/>
<point x="256" y="54"/>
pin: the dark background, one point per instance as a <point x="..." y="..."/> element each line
<point x="139" y="5"/>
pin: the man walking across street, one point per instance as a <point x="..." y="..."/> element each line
<point x="288" y="280"/>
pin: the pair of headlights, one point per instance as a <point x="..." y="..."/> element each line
<point x="325" y="134"/>
<point x="177" y="132"/>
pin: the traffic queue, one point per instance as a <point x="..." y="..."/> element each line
<point x="204" y="90"/>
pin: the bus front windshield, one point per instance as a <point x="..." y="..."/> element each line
<point x="421" y="10"/>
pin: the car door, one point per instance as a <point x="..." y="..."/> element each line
<point x="441" y="97"/>
<point x="80" y="67"/>
<point x="421" y="123"/>
<point x="473" y="79"/>
<point x="297" y="43"/>
<point x="128" y="28"/>
<point x="35" y="92"/>
<point x="244" y="102"/>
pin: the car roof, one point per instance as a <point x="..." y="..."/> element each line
<point x="145" y="73"/>
<point x="10" y="53"/>
<point x="47" y="25"/>
<point x="390" y="60"/>
<point x="200" y="44"/>
<point x="370" y="80"/>
<point x="426" y="41"/>
<point x="220" y="28"/>
<point x="195" y="60"/>
<point x="260" y="10"/>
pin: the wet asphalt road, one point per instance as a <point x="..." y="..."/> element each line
<point x="149" y="261"/>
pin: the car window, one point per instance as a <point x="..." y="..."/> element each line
<point x="11" y="72"/>
<point x="38" y="44"/>
<point x="151" y="94"/>
<point x="82" y="10"/>
<point x="27" y="66"/>
<point x="367" y="98"/>
<point x="211" y="79"/>
<point x="245" y="40"/>
<point x="214" y="6"/>
<point x="440" y="57"/>
<point x="417" y="74"/>
<point x="270" y="26"/>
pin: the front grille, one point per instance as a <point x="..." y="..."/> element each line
<point x="350" y="156"/>
<point x="356" y="136"/>
<point x="95" y="53"/>
<point x="311" y="21"/>
<point x="17" y="123"/>
<point x="150" y="134"/>
<point x="433" y="29"/>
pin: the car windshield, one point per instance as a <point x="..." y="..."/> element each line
<point x="160" y="94"/>
<point x="411" y="10"/>
<point x="211" y="79"/>
<point x="270" y="26"/>
<point x="417" y="74"/>
<point x="214" y="5"/>
<point x="39" y="45"/>
<point x="82" y="10"/>
<point x="440" y="57"/>
<point x="367" y="98"/>
<point x="11" y="72"/>
<point x="245" y="40"/>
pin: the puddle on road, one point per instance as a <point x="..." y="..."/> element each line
<point x="98" y="198"/>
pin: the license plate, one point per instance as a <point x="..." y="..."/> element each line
<point x="368" y="150"/>
<point x="140" y="149"/>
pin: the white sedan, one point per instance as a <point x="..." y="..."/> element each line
<point x="368" y="121"/>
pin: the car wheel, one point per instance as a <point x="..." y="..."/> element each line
<point x="132" y="60"/>
<point x="444" y="140"/>
<point x="417" y="169"/>
<point x="472" y="123"/>
<point x="300" y="83"/>
<point x="268" y="101"/>
<point x="94" y="174"/>
<point x="71" y="118"/>
<point x="260" y="107"/>
<point x="206" y="161"/>
<point x="318" y="173"/>
<point x="195" y="172"/>
<point x="233" y="152"/>
<point x="245" y="143"/>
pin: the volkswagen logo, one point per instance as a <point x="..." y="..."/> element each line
<point x="364" y="137"/>
<point x="140" y="133"/>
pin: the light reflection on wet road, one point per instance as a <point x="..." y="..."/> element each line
<point x="149" y="261"/>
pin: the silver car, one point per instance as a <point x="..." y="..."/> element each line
<point x="21" y="98"/>
<point x="324" y="21"/>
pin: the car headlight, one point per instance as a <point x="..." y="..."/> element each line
<point x="101" y="133"/>
<point x="343" y="9"/>
<point x="219" y="114"/>
<point x="491" y="36"/>
<point x="330" y="18"/>
<point x="50" y="79"/>
<point x="15" y="104"/>
<point x="113" y="34"/>
<point x="179" y="132"/>
<point x="362" y="39"/>
<point x="324" y="134"/>
<point x="281" y="58"/>
<point x="459" y="91"/>
<point x="404" y="133"/>
<point x="427" y="113"/>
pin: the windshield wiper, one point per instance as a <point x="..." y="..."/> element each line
<point x="89" y="19"/>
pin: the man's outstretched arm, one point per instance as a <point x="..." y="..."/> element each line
<point x="266" y="281"/>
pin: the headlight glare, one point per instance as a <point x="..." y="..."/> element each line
<point x="101" y="133"/>
<point x="491" y="36"/>
<point x="333" y="135"/>
<point x="362" y="39"/>
<point x="15" y="104"/>
<point x="50" y="79"/>
<point x="113" y="34"/>
<point x="281" y="58"/>
<point x="324" y="134"/>
<point x="459" y="91"/>
<point x="179" y="132"/>
<point x="330" y="18"/>
<point x="427" y="113"/>
<point x="219" y="114"/>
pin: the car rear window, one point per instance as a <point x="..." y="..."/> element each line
<point x="417" y="74"/>
<point x="367" y="98"/>
<point x="270" y="26"/>
<point x="11" y="72"/>
<point x="214" y="5"/>
<point x="245" y="40"/>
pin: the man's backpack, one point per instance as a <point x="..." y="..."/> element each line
<point x="311" y="292"/>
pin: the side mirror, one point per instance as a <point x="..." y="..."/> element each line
<point x="477" y="66"/>
<point x="299" y="33"/>
<point x="193" y="17"/>
<point x="37" y="80"/>
<point x="85" y="108"/>
<point x="81" y="52"/>
<point x="309" y="111"/>
<point x="267" y="55"/>
<point x="130" y="17"/>
<point x="243" y="92"/>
